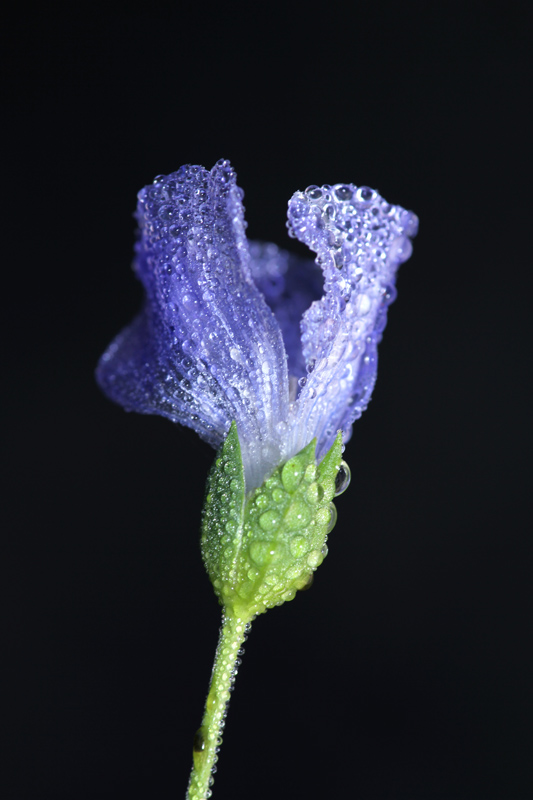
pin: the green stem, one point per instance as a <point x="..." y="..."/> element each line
<point x="208" y="739"/>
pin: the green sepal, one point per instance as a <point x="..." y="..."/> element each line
<point x="259" y="550"/>
<point x="223" y="513"/>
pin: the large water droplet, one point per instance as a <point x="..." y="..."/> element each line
<point x="342" y="481"/>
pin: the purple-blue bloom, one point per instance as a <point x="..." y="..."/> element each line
<point x="237" y="330"/>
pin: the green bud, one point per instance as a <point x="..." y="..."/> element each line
<point x="260" y="549"/>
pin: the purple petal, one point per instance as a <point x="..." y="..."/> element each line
<point x="206" y="350"/>
<point x="289" y="284"/>
<point x="360" y="241"/>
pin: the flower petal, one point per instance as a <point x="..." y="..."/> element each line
<point x="290" y="284"/>
<point x="207" y="349"/>
<point x="360" y="241"/>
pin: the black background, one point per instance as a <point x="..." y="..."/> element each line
<point x="405" y="671"/>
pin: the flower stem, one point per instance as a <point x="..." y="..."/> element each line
<point x="207" y="739"/>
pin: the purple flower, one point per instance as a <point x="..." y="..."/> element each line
<point x="237" y="330"/>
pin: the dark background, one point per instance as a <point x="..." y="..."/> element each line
<point x="405" y="671"/>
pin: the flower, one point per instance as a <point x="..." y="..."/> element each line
<point x="244" y="331"/>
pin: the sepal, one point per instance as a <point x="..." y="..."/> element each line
<point x="259" y="550"/>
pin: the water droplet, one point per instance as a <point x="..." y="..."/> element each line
<point x="278" y="496"/>
<point x="343" y="192"/>
<point x="297" y="515"/>
<point x="364" y="194"/>
<point x="310" y="473"/>
<point x="245" y="589"/>
<point x="314" y="494"/>
<point x="269" y="520"/>
<point x="293" y="572"/>
<point x="302" y="382"/>
<point x="309" y="582"/>
<point x="338" y="259"/>
<point x="298" y="546"/>
<point x="363" y="304"/>
<point x="342" y="481"/>
<point x="262" y="551"/>
<point x="166" y="212"/>
<point x="236" y="355"/>
<point x="332" y="517"/>
<point x="291" y="475"/>
<point x="230" y="467"/>
<point x="314" y="192"/>
<point x="389" y="294"/>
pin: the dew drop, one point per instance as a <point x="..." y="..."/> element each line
<point x="364" y="194"/>
<point x="332" y="517"/>
<point x="309" y="582"/>
<point x="310" y="473"/>
<point x="342" y="481"/>
<point x="312" y="494"/>
<point x="261" y="552"/>
<point x="314" y="192"/>
<point x="291" y="475"/>
<point x="261" y="501"/>
<point x="298" y="546"/>
<point x="297" y="515"/>
<point x="293" y="572"/>
<point x="278" y="496"/>
<point x="269" y="520"/>
<point x="343" y="192"/>
<point x="166" y="212"/>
